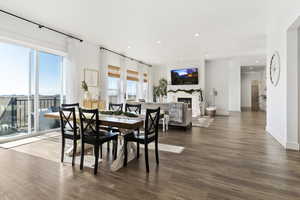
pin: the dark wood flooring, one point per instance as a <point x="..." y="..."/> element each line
<point x="232" y="159"/>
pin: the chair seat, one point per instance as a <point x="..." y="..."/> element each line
<point x="70" y="135"/>
<point x="91" y="137"/>
<point x="135" y="137"/>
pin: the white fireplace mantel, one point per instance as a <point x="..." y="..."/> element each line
<point x="173" y="97"/>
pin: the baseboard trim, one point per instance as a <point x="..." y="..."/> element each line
<point x="292" y="146"/>
<point x="286" y="145"/>
<point x="280" y="140"/>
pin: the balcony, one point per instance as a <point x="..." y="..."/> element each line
<point x="17" y="114"/>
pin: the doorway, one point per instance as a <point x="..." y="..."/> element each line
<point x="253" y="88"/>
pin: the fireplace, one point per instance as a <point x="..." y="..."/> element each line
<point x="186" y="100"/>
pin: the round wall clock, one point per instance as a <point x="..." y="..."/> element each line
<point x="275" y="69"/>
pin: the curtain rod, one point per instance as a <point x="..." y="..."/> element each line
<point x="122" y="55"/>
<point x="41" y="26"/>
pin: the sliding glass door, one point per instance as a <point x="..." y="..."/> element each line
<point x="14" y="89"/>
<point x="49" y="88"/>
<point x="30" y="85"/>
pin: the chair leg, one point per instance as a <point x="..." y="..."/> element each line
<point x="125" y="153"/>
<point x="101" y="154"/>
<point x="137" y="150"/>
<point x="96" y="152"/>
<point x="74" y="151"/>
<point x="146" y="158"/>
<point x="63" y="149"/>
<point x="156" y="151"/>
<point x="138" y="146"/>
<point x="115" y="149"/>
<point x="82" y="156"/>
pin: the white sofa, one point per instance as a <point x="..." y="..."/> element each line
<point x="179" y="113"/>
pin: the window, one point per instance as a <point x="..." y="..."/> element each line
<point x="131" y="90"/>
<point x="50" y="87"/>
<point x="132" y="80"/>
<point x="14" y="90"/>
<point x="113" y="91"/>
<point x="30" y="86"/>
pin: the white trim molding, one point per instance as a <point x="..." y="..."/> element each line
<point x="292" y="146"/>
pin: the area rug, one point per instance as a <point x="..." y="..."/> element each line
<point x="53" y="141"/>
<point x="203" y="121"/>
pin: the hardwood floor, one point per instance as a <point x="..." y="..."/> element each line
<point x="232" y="159"/>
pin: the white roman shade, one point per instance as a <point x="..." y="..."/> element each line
<point x="132" y="75"/>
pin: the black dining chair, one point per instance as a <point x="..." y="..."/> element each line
<point x="70" y="105"/>
<point x="134" y="108"/>
<point x="91" y="134"/>
<point x="115" y="107"/>
<point x="150" y="135"/>
<point x="69" y="130"/>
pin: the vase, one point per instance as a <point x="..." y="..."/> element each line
<point x="87" y="95"/>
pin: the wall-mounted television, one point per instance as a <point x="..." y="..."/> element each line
<point x="184" y="76"/>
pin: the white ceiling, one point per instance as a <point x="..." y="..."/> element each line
<point x="226" y="28"/>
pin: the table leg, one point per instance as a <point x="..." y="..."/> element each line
<point x="118" y="163"/>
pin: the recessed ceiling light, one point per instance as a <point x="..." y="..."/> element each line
<point x="257" y="61"/>
<point x="197" y="34"/>
<point x="158" y="42"/>
<point x="129" y="47"/>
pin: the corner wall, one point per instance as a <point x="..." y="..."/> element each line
<point x="225" y="76"/>
<point x="280" y="111"/>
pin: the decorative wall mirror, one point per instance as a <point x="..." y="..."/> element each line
<point x="91" y="77"/>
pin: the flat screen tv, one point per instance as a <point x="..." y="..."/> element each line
<point x="184" y="76"/>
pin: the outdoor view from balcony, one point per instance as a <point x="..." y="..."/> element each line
<point x="30" y="86"/>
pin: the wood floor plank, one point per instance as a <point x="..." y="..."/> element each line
<point x="233" y="159"/>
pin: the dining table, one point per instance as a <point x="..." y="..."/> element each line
<point x="124" y="123"/>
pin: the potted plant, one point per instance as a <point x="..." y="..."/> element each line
<point x="160" y="91"/>
<point x="85" y="88"/>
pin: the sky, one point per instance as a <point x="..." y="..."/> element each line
<point x="15" y="68"/>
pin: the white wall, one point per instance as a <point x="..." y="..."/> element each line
<point x="217" y="76"/>
<point x="234" y="93"/>
<point x="225" y="76"/>
<point x="164" y="71"/>
<point x="81" y="55"/>
<point x="282" y="108"/>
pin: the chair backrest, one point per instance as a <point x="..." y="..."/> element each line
<point x="68" y="118"/>
<point x="89" y="121"/>
<point x="70" y="105"/>
<point x="115" y="107"/>
<point x="151" y="122"/>
<point x="134" y="108"/>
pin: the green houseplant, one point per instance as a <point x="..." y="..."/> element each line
<point x="160" y="91"/>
